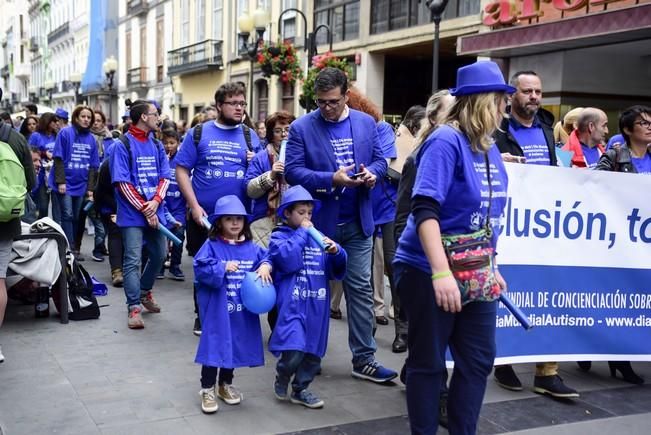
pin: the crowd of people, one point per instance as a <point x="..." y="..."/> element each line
<point x="244" y="197"/>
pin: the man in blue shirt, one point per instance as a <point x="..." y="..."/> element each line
<point x="527" y="136"/>
<point x="218" y="163"/>
<point x="335" y="154"/>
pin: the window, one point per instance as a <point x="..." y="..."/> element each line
<point x="160" y="50"/>
<point x="128" y="49"/>
<point x="342" y="16"/>
<point x="217" y="19"/>
<point x="183" y="114"/>
<point x="143" y="53"/>
<point x="242" y="6"/>
<point x="288" y="98"/>
<point x="185" y="22"/>
<point x="200" y="11"/>
<point x="262" y="105"/>
<point x="387" y="15"/>
<point x="197" y="109"/>
<point x="288" y="25"/>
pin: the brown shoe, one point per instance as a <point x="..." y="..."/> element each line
<point x="150" y="303"/>
<point x="135" y="319"/>
<point x="116" y="278"/>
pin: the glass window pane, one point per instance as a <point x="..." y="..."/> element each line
<point x="351" y="30"/>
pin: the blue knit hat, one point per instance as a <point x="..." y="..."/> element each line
<point x="480" y="77"/>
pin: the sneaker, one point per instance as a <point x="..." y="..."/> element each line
<point x="150" y="303"/>
<point x="506" y="378"/>
<point x="196" y="330"/>
<point x="78" y="256"/>
<point x="306" y="399"/>
<point x="374" y="372"/>
<point x="135" y="318"/>
<point x="443" y="410"/>
<point x="161" y="274"/>
<point x="98" y="256"/>
<point x="229" y="394"/>
<point x="280" y="390"/>
<point x="117" y="279"/>
<point x="209" y="403"/>
<point x="335" y="314"/>
<point x="554" y="386"/>
<point x="2" y="357"/>
<point x="176" y="273"/>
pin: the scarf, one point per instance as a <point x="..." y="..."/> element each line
<point x="274" y="195"/>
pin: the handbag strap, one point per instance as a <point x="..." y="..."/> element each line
<point x="489" y="228"/>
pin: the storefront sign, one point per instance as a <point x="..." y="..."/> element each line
<point x="505" y="12"/>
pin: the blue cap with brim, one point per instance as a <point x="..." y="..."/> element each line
<point x="297" y="194"/>
<point x="480" y="77"/>
<point x="60" y="113"/>
<point x="229" y="205"/>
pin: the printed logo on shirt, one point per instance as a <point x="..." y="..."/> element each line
<point x="476" y="221"/>
<point x="295" y="294"/>
<point x="321" y="294"/>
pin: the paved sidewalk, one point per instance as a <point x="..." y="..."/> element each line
<point x="99" y="377"/>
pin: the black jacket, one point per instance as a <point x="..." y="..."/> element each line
<point x="405" y="188"/>
<point x="616" y="160"/>
<point x="9" y="230"/>
<point x="104" y="194"/>
<point x="506" y="143"/>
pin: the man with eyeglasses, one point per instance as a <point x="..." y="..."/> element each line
<point x="334" y="152"/>
<point x="141" y="174"/>
<point x="218" y="160"/>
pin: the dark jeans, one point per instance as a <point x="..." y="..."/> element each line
<point x="197" y="235"/>
<point x="42" y="200"/>
<point x="470" y="335"/>
<point x="177" y="250"/>
<point x="303" y="366"/>
<point x="209" y="376"/>
<point x="115" y="249"/>
<point x="65" y="212"/>
<point x="100" y="231"/>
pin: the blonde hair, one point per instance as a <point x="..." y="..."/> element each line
<point x="434" y="114"/>
<point x="477" y="116"/>
<point x="564" y="127"/>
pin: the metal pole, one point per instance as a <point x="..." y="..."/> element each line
<point x="435" y="55"/>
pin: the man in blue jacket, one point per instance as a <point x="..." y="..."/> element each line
<point x="335" y="154"/>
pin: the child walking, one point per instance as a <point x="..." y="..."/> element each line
<point x="175" y="205"/>
<point x="301" y="273"/>
<point x="231" y="335"/>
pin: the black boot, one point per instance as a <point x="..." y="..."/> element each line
<point x="399" y="344"/>
<point x="624" y="367"/>
<point x="584" y="365"/>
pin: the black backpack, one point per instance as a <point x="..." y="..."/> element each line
<point x="198" y="130"/>
<point x="82" y="304"/>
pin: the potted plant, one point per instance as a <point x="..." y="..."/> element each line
<point x="280" y="60"/>
<point x="319" y="62"/>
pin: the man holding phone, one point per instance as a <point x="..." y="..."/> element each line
<point x="335" y="154"/>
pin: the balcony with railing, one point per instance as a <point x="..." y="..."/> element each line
<point x="22" y="70"/>
<point x="4" y="71"/>
<point x="202" y="56"/>
<point x="58" y="32"/>
<point x="137" y="77"/>
<point x="137" y="7"/>
<point x="33" y="44"/>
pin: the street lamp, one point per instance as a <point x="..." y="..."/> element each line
<point x="437" y="7"/>
<point x="110" y="66"/>
<point x="49" y="87"/>
<point x="310" y="40"/>
<point x="75" y="79"/>
<point x="246" y="23"/>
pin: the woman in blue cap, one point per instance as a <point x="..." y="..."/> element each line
<point x="460" y="189"/>
<point x="301" y="273"/>
<point x="231" y="335"/>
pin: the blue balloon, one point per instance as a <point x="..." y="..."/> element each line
<point x="257" y="297"/>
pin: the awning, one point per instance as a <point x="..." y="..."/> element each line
<point x="601" y="28"/>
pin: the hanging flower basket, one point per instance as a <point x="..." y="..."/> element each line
<point x="280" y="60"/>
<point x="319" y="62"/>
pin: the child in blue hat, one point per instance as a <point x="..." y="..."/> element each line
<point x="301" y="273"/>
<point x="231" y="335"/>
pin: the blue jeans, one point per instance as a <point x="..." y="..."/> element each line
<point x="471" y="337"/>
<point x="65" y="212"/>
<point x="136" y="286"/>
<point x="303" y="366"/>
<point x="358" y="292"/>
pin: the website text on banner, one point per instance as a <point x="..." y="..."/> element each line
<point x="575" y="251"/>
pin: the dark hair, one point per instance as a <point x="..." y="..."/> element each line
<point x="281" y="116"/>
<point x="32" y="108"/>
<point x="228" y="90"/>
<point x="168" y="124"/>
<point x="23" y="126"/>
<point x="413" y="117"/>
<point x="137" y="109"/>
<point x="290" y="208"/>
<point x="101" y="114"/>
<point x="330" y="78"/>
<point x="216" y="229"/>
<point x="168" y="132"/>
<point x="359" y="101"/>
<point x="5" y="116"/>
<point x="628" y="117"/>
<point x="45" y="121"/>
<point x="77" y="111"/>
<point x="516" y="77"/>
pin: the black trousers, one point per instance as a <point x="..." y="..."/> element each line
<point x="209" y="376"/>
<point x="196" y="237"/>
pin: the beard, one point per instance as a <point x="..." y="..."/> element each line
<point x="228" y="121"/>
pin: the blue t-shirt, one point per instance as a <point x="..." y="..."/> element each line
<point x="79" y="154"/>
<point x="384" y="194"/>
<point x="341" y="138"/>
<point x="148" y="164"/>
<point x="642" y="164"/>
<point x="532" y="141"/>
<point x="174" y="201"/>
<point x="259" y="165"/>
<point x="591" y="155"/>
<point x="42" y="141"/>
<point x="218" y="163"/>
<point x="617" y="139"/>
<point x="453" y="175"/>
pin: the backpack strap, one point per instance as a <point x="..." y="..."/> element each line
<point x="247" y="136"/>
<point x="5" y="132"/>
<point x="196" y="136"/>
<point x="125" y="140"/>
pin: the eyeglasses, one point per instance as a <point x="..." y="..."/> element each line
<point x="643" y="123"/>
<point x="241" y="104"/>
<point x="328" y="103"/>
<point x="281" y="130"/>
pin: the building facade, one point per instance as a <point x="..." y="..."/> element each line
<point x="15" y="70"/>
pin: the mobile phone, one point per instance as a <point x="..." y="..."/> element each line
<point x="357" y="175"/>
